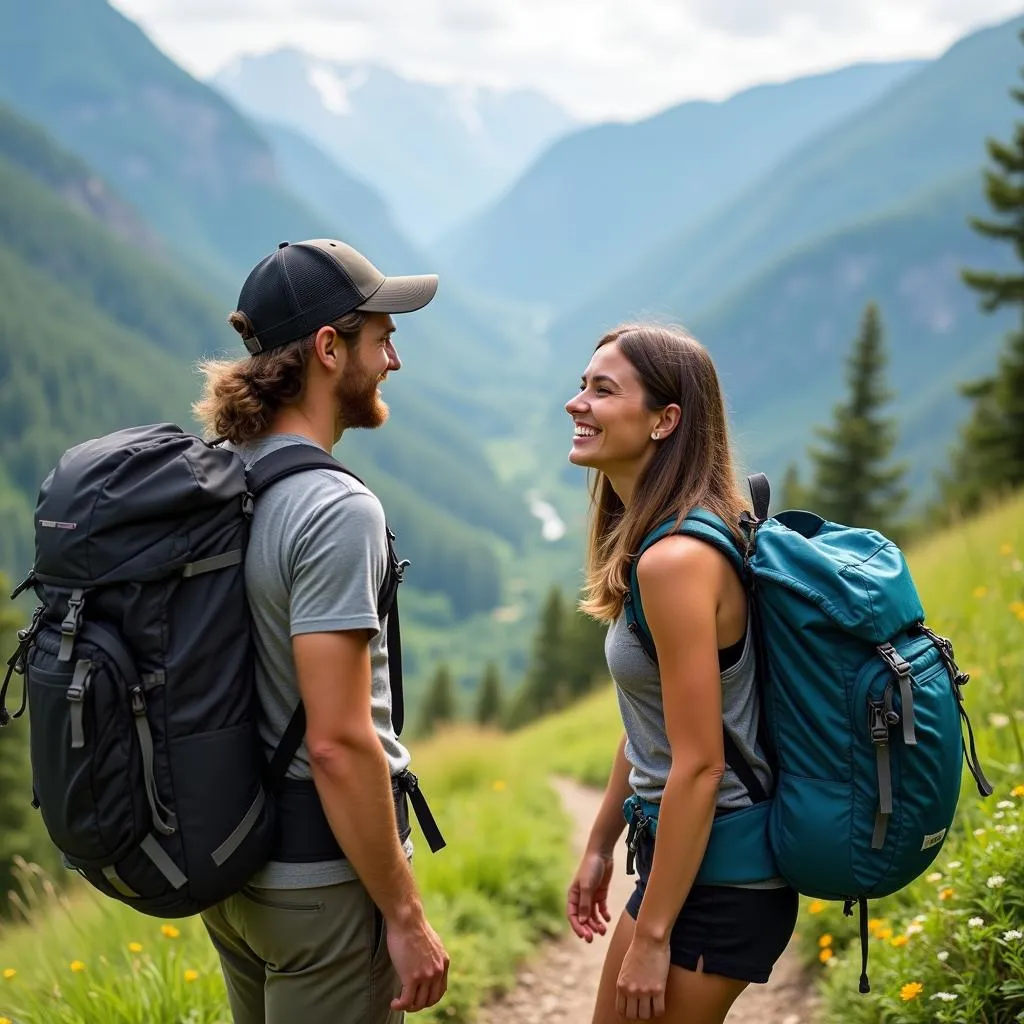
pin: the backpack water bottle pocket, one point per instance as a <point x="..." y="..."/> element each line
<point x="87" y="762"/>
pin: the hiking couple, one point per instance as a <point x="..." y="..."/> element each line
<point x="347" y="940"/>
<point x="178" y="576"/>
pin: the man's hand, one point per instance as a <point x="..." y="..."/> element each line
<point x="588" y="895"/>
<point x="421" y="963"/>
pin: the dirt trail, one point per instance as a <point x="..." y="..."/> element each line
<point x="560" y="982"/>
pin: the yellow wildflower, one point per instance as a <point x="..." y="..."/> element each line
<point x="1017" y="791"/>
<point x="134" y="947"/>
<point x="191" y="975"/>
<point x="825" y="940"/>
<point x="946" y="893"/>
<point x="498" y="786"/>
<point x="911" y="991"/>
<point x="980" y="592"/>
<point x="900" y="940"/>
<point x="1017" y="607"/>
<point x="169" y="931"/>
<point x="874" y="924"/>
<point x="825" y="955"/>
<point x="816" y="907"/>
<point x="6" y="1020"/>
<point x="9" y="973"/>
<point x="883" y="934"/>
<point x="1005" y="549"/>
<point x="77" y="966"/>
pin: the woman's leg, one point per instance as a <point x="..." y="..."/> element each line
<point x="690" y="998"/>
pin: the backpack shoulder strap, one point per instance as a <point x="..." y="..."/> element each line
<point x="264" y="473"/>
<point x="703" y="525"/>
<point x="294" y="458"/>
<point x="712" y="529"/>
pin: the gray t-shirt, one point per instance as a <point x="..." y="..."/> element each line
<point x="316" y="559"/>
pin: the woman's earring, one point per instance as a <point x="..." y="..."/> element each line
<point x="655" y="436"/>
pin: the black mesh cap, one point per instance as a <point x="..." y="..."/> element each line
<point x="303" y="285"/>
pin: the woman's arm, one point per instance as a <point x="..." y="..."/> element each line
<point x="609" y="823"/>
<point x="587" y="905"/>
<point x="680" y="582"/>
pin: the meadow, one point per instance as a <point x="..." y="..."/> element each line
<point x="948" y="948"/>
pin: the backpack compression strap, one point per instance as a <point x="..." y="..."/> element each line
<point x="708" y="527"/>
<point x="265" y="472"/>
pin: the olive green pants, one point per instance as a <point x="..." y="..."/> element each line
<point x="304" y="956"/>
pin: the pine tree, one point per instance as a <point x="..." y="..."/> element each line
<point x="584" y="660"/>
<point x="546" y="687"/>
<point x="439" y="703"/>
<point x="990" y="455"/>
<point x="793" y="493"/>
<point x="854" y="483"/>
<point x="489" y="700"/>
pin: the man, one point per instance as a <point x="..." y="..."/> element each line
<point x="322" y="938"/>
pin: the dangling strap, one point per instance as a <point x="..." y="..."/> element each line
<point x="410" y="785"/>
<point x="959" y="680"/>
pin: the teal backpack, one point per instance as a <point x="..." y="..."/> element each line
<point x="862" y="712"/>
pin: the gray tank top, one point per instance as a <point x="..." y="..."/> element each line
<point x="638" y="688"/>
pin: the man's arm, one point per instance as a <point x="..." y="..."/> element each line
<point x="349" y="768"/>
<point x="353" y="781"/>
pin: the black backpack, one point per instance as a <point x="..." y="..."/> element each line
<point x="147" y="766"/>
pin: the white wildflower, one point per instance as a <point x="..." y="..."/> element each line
<point x="943" y="956"/>
<point x="995" y="881"/>
<point x="921" y="918"/>
<point x="935" y="876"/>
<point x="1012" y="935"/>
<point x="914" y="928"/>
<point x="975" y="922"/>
<point x="979" y="832"/>
<point x="999" y="815"/>
<point x="946" y="997"/>
<point x="954" y="864"/>
<point x="998" y="721"/>
<point x="1006" y="805"/>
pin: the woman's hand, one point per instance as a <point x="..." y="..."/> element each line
<point x="588" y="895"/>
<point x="640" y="993"/>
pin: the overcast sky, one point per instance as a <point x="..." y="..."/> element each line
<point x="599" y="58"/>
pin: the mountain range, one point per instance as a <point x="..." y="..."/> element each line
<point x="435" y="152"/>
<point x="603" y="196"/>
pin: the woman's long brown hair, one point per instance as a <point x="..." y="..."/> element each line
<point x="693" y="466"/>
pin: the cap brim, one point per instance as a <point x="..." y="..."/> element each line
<point x="401" y="294"/>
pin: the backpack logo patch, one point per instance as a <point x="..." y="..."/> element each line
<point x="933" y="840"/>
<point x="51" y="525"/>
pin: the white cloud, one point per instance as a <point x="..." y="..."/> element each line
<point x="600" y="58"/>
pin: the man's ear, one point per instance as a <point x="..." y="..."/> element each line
<point x="329" y="348"/>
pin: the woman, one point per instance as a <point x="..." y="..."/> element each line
<point x="650" y="419"/>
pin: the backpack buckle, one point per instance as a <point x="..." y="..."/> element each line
<point x="877" y="723"/>
<point x="71" y="624"/>
<point x="892" y="658"/>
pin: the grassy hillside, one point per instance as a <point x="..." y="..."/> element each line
<point x="596" y="200"/>
<point x="499" y="886"/>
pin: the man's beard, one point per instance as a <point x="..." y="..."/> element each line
<point x="359" y="404"/>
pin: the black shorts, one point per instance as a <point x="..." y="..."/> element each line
<point x="740" y="933"/>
